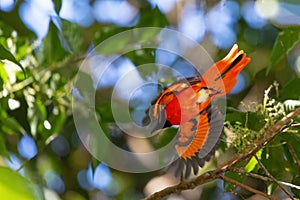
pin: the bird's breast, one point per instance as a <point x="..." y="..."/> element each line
<point x="186" y="105"/>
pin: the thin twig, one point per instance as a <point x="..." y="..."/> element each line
<point x="249" y="174"/>
<point x="290" y="185"/>
<point x="269" y="134"/>
<point x="263" y="178"/>
<point x="295" y="125"/>
<point x="273" y="179"/>
<point x="246" y="187"/>
<point x="293" y="153"/>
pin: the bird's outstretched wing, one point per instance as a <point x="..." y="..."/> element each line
<point x="197" y="141"/>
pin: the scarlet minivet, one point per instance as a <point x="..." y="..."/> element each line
<point x="187" y="103"/>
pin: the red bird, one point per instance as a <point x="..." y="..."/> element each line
<point x="187" y="103"/>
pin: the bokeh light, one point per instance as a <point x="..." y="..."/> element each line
<point x="102" y="66"/>
<point x="164" y="6"/>
<point x="51" y="195"/>
<point x="47" y="125"/>
<point x="224" y="40"/>
<point x="192" y="23"/>
<point x="27" y="147"/>
<point x="7" y="5"/>
<point x="165" y="57"/>
<point x="173" y="44"/>
<point x="267" y="9"/>
<point x="79" y="12"/>
<point x="220" y="22"/>
<point x="297" y="65"/>
<point x="109" y="71"/>
<point x="242" y="83"/>
<point x="252" y="16"/>
<point x="102" y="178"/>
<point x="76" y="93"/>
<point x="287" y="14"/>
<point x="54" y="181"/>
<point x="99" y="178"/>
<point x="184" y="69"/>
<point x="36" y="15"/>
<point x="82" y="179"/>
<point x="107" y="11"/>
<point x="294" y="58"/>
<point x="141" y="100"/>
<point x="13" y="104"/>
<point x="60" y="146"/>
<point x="129" y="78"/>
<point x="13" y="162"/>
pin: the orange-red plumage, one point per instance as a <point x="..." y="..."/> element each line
<point x="187" y="103"/>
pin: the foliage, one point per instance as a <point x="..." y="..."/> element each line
<point x="14" y="186"/>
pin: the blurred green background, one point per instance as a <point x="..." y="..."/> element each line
<point x="43" y="44"/>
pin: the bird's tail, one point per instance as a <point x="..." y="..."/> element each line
<point x="222" y="76"/>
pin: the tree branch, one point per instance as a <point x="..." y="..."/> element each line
<point x="270" y="133"/>
<point x="263" y="178"/>
<point x="249" y="174"/>
<point x="246" y="187"/>
<point x="272" y="178"/>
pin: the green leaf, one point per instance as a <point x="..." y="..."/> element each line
<point x="4" y="107"/>
<point x="5" y="54"/>
<point x="36" y="114"/>
<point x="3" y="76"/>
<point x="233" y="115"/>
<point x="33" y="120"/>
<point x="291" y="90"/>
<point x="11" y="21"/>
<point x="10" y="125"/>
<point x="252" y="120"/>
<point x="253" y="162"/>
<point x="41" y="109"/>
<point x="285" y="41"/>
<point x="53" y="51"/>
<point x="274" y="160"/>
<point x="229" y="187"/>
<point x="14" y="186"/>
<point x="165" y="137"/>
<point x="3" y="150"/>
<point x="1" y="83"/>
<point x="291" y="152"/>
<point x="114" y="44"/>
<point x="152" y="19"/>
<point x="104" y="110"/>
<point x="296" y="181"/>
<point x="256" y="121"/>
<point x="72" y="33"/>
<point x="57" y="121"/>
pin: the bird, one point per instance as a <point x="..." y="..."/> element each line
<point x="187" y="103"/>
